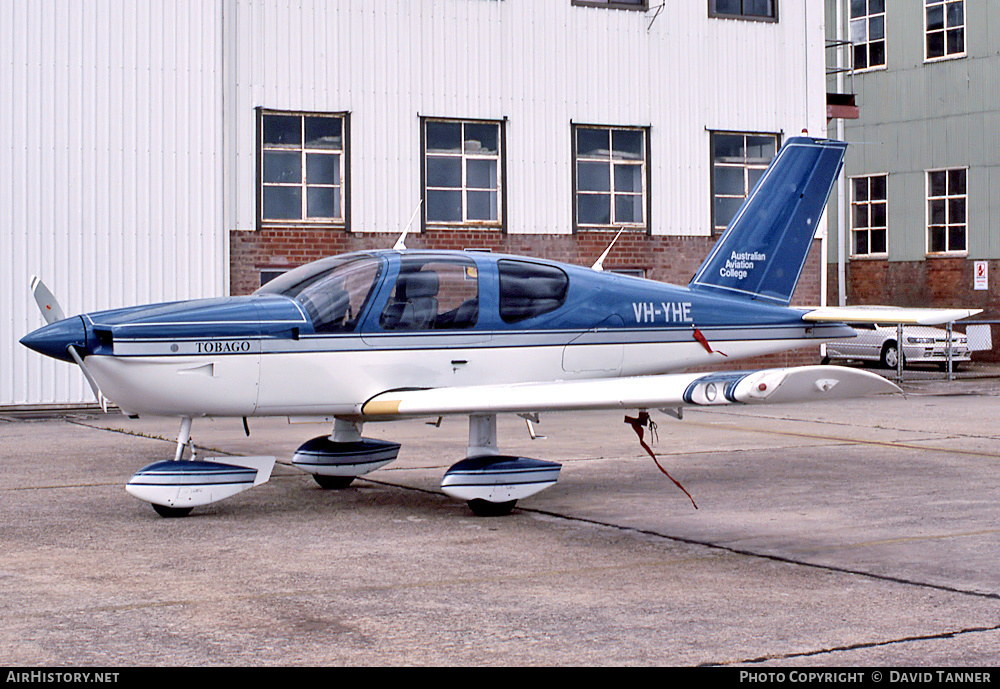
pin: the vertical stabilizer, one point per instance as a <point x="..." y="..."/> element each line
<point x="762" y="252"/>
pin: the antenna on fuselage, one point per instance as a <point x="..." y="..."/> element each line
<point x="399" y="245"/>
<point x="599" y="263"/>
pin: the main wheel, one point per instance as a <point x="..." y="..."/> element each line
<point x="890" y="355"/>
<point x="171" y="512"/>
<point x="332" y="482"/>
<point x="485" y="508"/>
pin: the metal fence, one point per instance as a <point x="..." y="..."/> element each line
<point x="979" y="338"/>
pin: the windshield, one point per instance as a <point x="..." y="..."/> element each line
<point x="333" y="291"/>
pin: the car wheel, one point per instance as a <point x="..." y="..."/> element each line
<point x="890" y="354"/>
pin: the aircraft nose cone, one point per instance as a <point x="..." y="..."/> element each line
<point x="53" y="339"/>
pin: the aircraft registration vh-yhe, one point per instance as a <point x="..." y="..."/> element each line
<point x="397" y="334"/>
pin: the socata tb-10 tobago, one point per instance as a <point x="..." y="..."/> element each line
<point x="384" y="335"/>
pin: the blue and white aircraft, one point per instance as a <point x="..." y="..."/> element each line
<point x="383" y="335"/>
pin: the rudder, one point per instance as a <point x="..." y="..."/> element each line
<point x="764" y="249"/>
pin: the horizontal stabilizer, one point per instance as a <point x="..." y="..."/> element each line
<point x="800" y="384"/>
<point x="889" y="315"/>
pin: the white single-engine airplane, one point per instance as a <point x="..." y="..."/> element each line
<point x="383" y="335"/>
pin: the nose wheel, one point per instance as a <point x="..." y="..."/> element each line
<point x="485" y="508"/>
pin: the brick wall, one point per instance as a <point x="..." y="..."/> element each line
<point x="667" y="259"/>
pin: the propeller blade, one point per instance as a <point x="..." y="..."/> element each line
<point x="101" y="399"/>
<point x="47" y="304"/>
<point x="52" y="312"/>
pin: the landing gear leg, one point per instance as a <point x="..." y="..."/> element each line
<point x="183" y="440"/>
<point x="483" y="443"/>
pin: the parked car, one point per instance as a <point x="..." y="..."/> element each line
<point x="921" y="344"/>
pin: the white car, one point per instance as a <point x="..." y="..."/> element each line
<point x="921" y="344"/>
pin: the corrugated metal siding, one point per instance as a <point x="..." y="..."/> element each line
<point x="540" y="65"/>
<point x="918" y="116"/>
<point x="110" y="165"/>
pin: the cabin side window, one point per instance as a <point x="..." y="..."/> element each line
<point x="433" y="295"/>
<point x="332" y="291"/>
<point x="530" y="289"/>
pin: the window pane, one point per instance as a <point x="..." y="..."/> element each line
<point x="876" y="6"/>
<point x="627" y="144"/>
<point x="935" y="18"/>
<point x="956" y="14"/>
<point x="938" y="183"/>
<point x="861" y="189"/>
<point x="729" y="180"/>
<point x="876" y="28"/>
<point x="481" y="174"/>
<point x="757" y="8"/>
<point x="956" y="41"/>
<point x="727" y="6"/>
<point x="593" y="176"/>
<point x="861" y="242"/>
<point x="628" y="208"/>
<point x="938" y="239"/>
<point x="444" y="206"/>
<point x="935" y="44"/>
<point x="282" y="168"/>
<point x="859" y="33"/>
<point x="725" y="209"/>
<point x="593" y="143"/>
<point x="444" y="137"/>
<point x="753" y="176"/>
<point x="322" y="202"/>
<point x="322" y="168"/>
<point x="956" y="210"/>
<point x="594" y="209"/>
<point x="878" y="241"/>
<point x="282" y="203"/>
<point x="760" y="149"/>
<point x="956" y="238"/>
<point x="858" y="8"/>
<point x="728" y="148"/>
<point x="861" y="216"/>
<point x="282" y="130"/>
<point x="482" y="205"/>
<point x="861" y="56"/>
<point x="878" y="215"/>
<point x="628" y="178"/>
<point x="323" y="132"/>
<point x="482" y="138"/>
<point x="937" y="212"/>
<point x="956" y="182"/>
<point x="444" y="171"/>
<point x="878" y="187"/>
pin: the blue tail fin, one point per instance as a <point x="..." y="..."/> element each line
<point x="762" y="252"/>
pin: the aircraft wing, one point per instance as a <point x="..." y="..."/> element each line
<point x="890" y="315"/>
<point x="800" y="384"/>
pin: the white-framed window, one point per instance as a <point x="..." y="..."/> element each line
<point x="738" y="162"/>
<point x="868" y="33"/>
<point x="766" y="10"/>
<point x="303" y="168"/>
<point x="944" y="29"/>
<point x="869" y="215"/>
<point x="609" y="177"/>
<point x="947" y="199"/>
<point x="463" y="172"/>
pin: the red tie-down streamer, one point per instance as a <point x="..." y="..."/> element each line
<point x="637" y="424"/>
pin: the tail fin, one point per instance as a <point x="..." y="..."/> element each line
<point x="762" y="252"/>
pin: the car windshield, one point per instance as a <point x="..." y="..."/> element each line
<point x="333" y="291"/>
